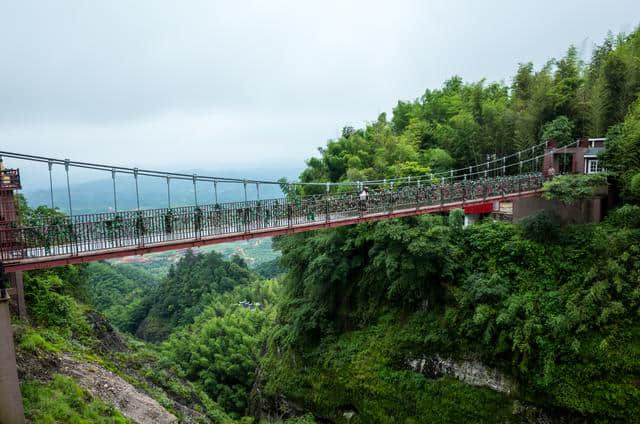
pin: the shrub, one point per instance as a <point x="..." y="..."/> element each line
<point x="34" y="341"/>
<point x="571" y="188"/>
<point x="634" y="187"/>
<point x="456" y="218"/>
<point x="627" y="216"/>
<point x="50" y="307"/>
<point x="63" y="401"/>
<point x="541" y="227"/>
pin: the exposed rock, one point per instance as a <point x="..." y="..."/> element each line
<point x="471" y="372"/>
<point x="39" y="366"/>
<point x="109" y="339"/>
<point x="112" y="389"/>
<point x="349" y="414"/>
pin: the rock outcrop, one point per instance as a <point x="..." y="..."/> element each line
<point x="471" y="372"/>
<point x="112" y="389"/>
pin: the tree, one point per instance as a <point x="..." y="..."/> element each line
<point x="560" y="130"/>
<point x="622" y="157"/>
<point x="615" y="103"/>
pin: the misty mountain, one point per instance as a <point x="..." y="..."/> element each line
<point x="97" y="196"/>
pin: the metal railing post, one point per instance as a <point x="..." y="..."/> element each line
<point x="464" y="190"/>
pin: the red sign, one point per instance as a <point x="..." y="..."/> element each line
<point x="479" y="208"/>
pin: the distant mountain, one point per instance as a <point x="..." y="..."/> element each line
<point x="97" y="196"/>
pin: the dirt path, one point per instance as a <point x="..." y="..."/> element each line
<point x="112" y="389"/>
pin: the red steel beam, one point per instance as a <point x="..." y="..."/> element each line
<point x="52" y="261"/>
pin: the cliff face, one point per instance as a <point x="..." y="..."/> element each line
<point x="471" y="372"/>
<point x="462" y="384"/>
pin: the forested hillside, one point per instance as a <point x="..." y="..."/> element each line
<point x="554" y="308"/>
<point x="411" y="320"/>
<point x="463" y="122"/>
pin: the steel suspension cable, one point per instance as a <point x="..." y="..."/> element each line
<point x="66" y="168"/>
<point x="195" y="189"/>
<point x="115" y="198"/>
<point x="51" y="184"/>
<point x="135" y="176"/>
<point x="169" y="192"/>
<point x="154" y="173"/>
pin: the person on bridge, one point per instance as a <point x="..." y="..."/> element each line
<point x="551" y="172"/>
<point x="364" y="194"/>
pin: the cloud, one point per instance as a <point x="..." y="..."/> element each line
<point x="190" y="83"/>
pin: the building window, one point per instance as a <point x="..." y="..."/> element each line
<point x="593" y="166"/>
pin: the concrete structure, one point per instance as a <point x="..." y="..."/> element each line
<point x="11" y="410"/>
<point x="584" y="211"/>
<point x="583" y="160"/>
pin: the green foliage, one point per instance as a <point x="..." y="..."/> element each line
<point x="184" y="293"/>
<point x="560" y="130"/>
<point x="571" y="188"/>
<point x="269" y="269"/>
<point x="63" y="401"/>
<point x="456" y="218"/>
<point x="36" y="216"/>
<point x="562" y="317"/>
<point x="627" y="216"/>
<point x="118" y="291"/>
<point x="634" y="186"/>
<point x="42" y="339"/>
<point x="462" y="122"/>
<point x="219" y="350"/>
<point x="622" y="157"/>
<point x="438" y="160"/>
<point x="338" y="278"/>
<point x="364" y="371"/>
<point x="541" y="227"/>
<point x="49" y="295"/>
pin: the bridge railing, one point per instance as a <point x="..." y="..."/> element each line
<point x="95" y="232"/>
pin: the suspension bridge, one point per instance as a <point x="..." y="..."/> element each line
<point x="62" y="237"/>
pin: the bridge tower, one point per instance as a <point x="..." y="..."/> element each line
<point x="11" y="409"/>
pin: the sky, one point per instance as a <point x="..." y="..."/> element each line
<point x="246" y="84"/>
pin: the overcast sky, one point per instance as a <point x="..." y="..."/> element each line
<point x="206" y="84"/>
